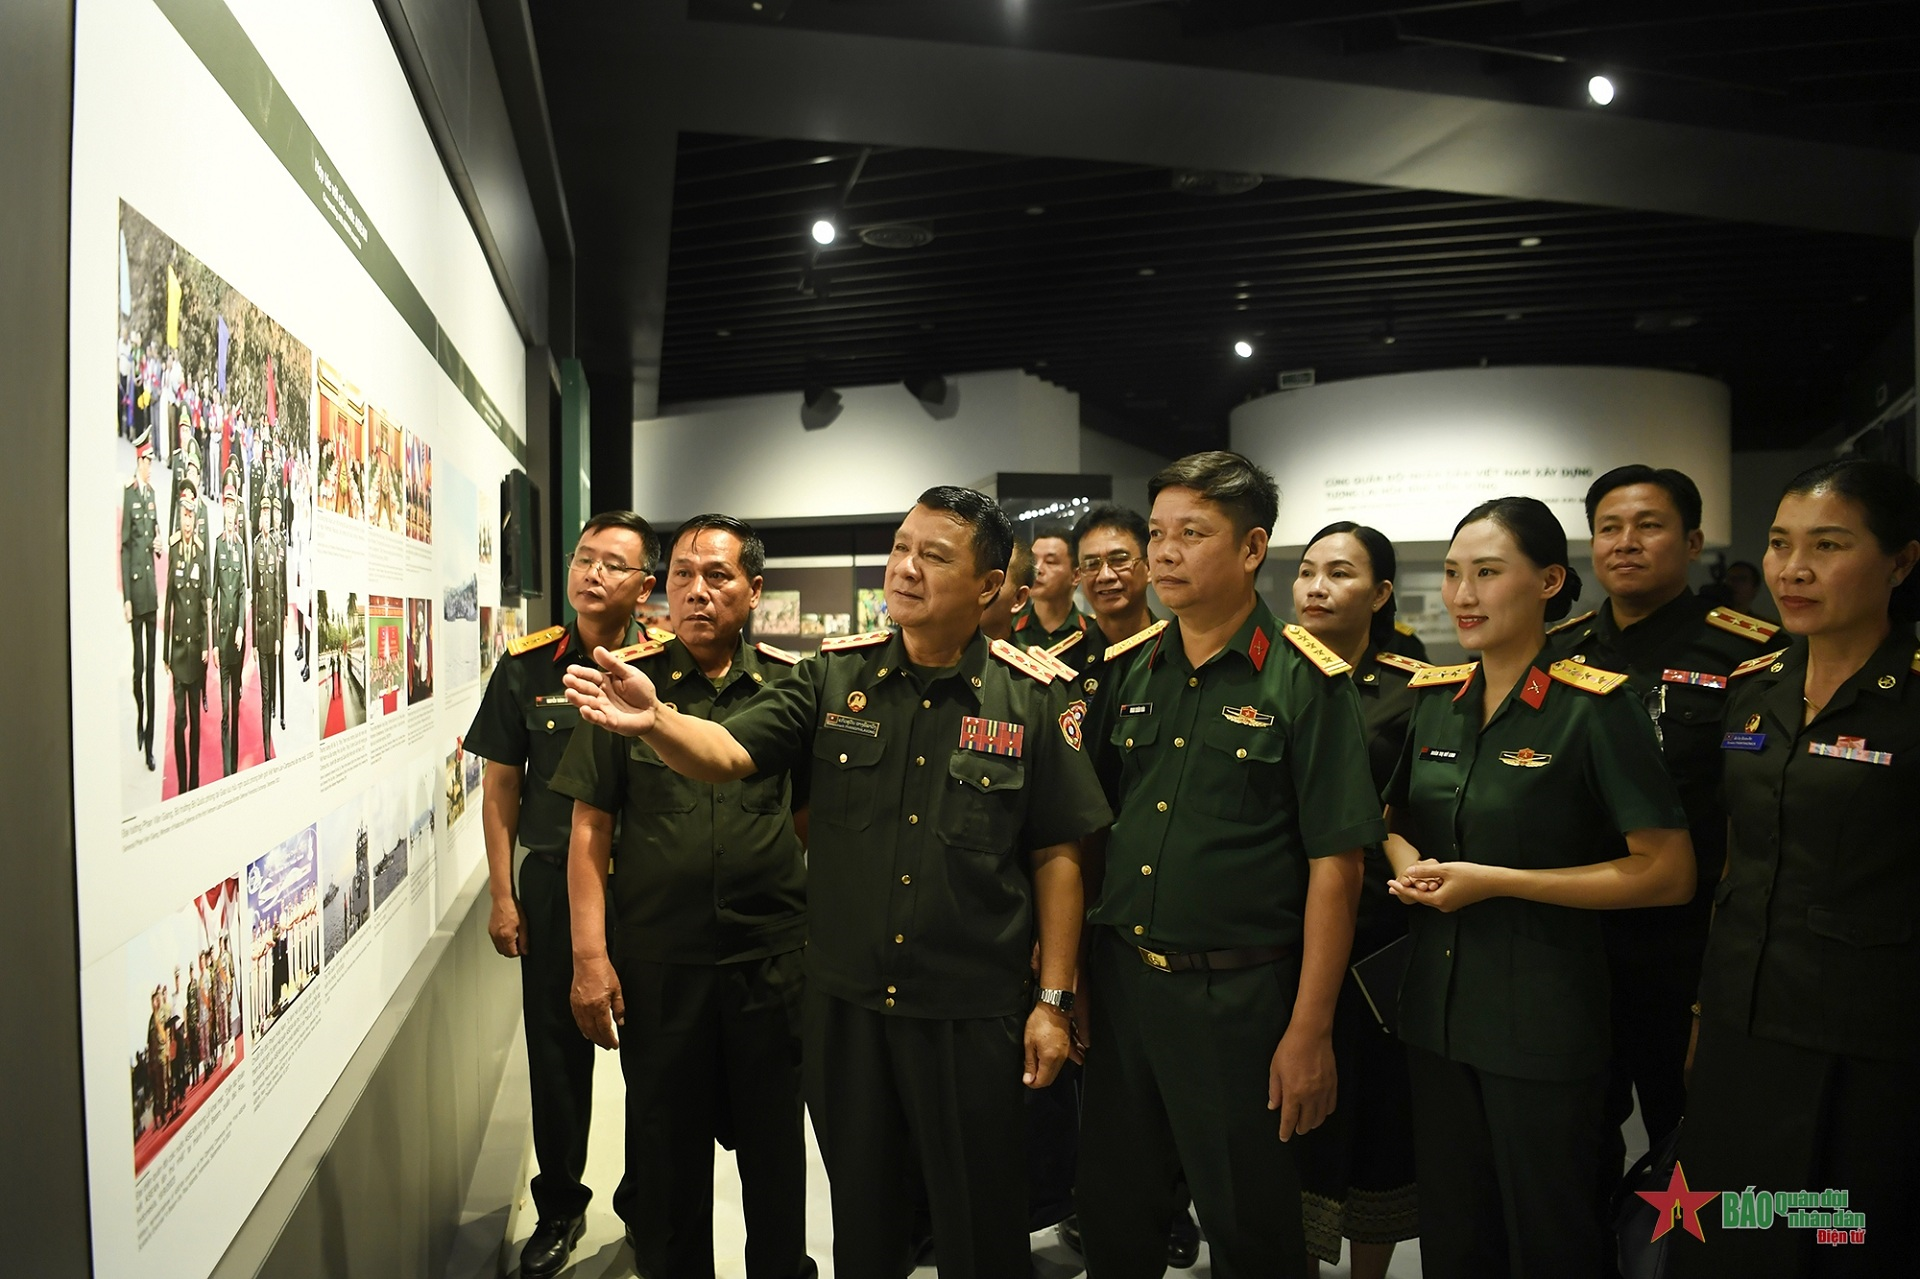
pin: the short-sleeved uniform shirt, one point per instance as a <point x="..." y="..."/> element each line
<point x="524" y="721"/>
<point x="1676" y="662"/>
<point x="1029" y="633"/>
<point x="1386" y="708"/>
<point x="1233" y="776"/>
<point x="1813" y="939"/>
<point x="1514" y="987"/>
<point x="703" y="873"/>
<point x="929" y="789"/>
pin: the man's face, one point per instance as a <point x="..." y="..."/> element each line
<point x="607" y="577"/>
<point x="144" y="467"/>
<point x="1198" y="560"/>
<point x="187" y="518"/>
<point x="708" y="594"/>
<point x="1052" y="570"/>
<point x="932" y="577"/>
<point x="1641" y="547"/>
<point x="1113" y="591"/>
<point x="230" y="517"/>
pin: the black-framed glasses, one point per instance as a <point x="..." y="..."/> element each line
<point x="586" y="563"/>
<point x="1121" y="562"/>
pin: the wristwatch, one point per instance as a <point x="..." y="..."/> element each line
<point x="1060" y="999"/>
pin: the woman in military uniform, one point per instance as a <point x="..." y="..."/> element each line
<point x="1809" y="1012"/>
<point x="1356" y="1170"/>
<point x="1518" y="785"/>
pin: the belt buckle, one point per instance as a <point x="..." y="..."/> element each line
<point x="1154" y="959"/>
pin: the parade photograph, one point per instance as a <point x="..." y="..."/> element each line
<point x="347" y="901"/>
<point x="342" y="667"/>
<point x="419" y="491"/>
<point x="283" y="914"/>
<point x="213" y="427"/>
<point x="383" y="482"/>
<point x="183" y="1009"/>
<point x="386" y="659"/>
<point x="342" y="447"/>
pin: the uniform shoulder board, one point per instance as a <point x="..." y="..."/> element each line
<point x="1916" y="659"/>
<point x="1400" y="661"/>
<point x="539" y="639"/>
<point x="1058" y="668"/>
<point x="1571" y="622"/>
<point x="778" y="654"/>
<point x="1432" y="676"/>
<point x="1022" y="660"/>
<point x="1765" y="660"/>
<point x="1329" y="662"/>
<point x="840" y="643"/>
<point x="1066" y="643"/>
<point x="1135" y="640"/>
<point x="1737" y="623"/>
<point x="1403" y="627"/>
<point x="1590" y="678"/>
<point x="634" y="652"/>
<point x="660" y="633"/>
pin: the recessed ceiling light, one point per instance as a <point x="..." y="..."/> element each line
<point x="1513" y="315"/>
<point x="1242" y="296"/>
<point x="723" y="333"/>
<point x="1241" y="284"/>
<point x="1600" y="90"/>
<point x="1035" y="210"/>
<point x="1146" y="270"/>
<point x="1389" y="340"/>
<point x="1530" y="242"/>
<point x="1239" y="306"/>
<point x="1243" y="349"/>
<point x="824" y="231"/>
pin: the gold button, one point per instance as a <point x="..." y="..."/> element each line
<point x="1887" y="681"/>
<point x="1162" y="806"/>
<point x="976" y="681"/>
<point x="1368" y="678"/>
<point x="913" y="819"/>
<point x="678" y="674"/>
<point x="1178" y="741"/>
<point x="906" y="879"/>
<point x="549" y="723"/>
<point x="1138" y="931"/>
<point x="893" y="990"/>
<point x="889" y="1003"/>
<point x="1580" y="657"/>
<point x="925" y="705"/>
<point x="1776" y="668"/>
<point x="1241" y="753"/>
<point x="986" y="781"/>
<point x="1449" y="952"/>
<point x="1129" y="741"/>
<point x="1193" y="681"/>
<point x="920" y="761"/>
<point x="899" y="938"/>
<point x="757" y="679"/>
<point x="843" y="759"/>
<point x="1146" y="870"/>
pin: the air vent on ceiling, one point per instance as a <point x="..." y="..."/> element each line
<point x="1213" y="182"/>
<point x="896" y="235"/>
<point x="1294" y="379"/>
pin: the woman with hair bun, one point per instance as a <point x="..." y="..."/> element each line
<point x="1528" y="797"/>
<point x="1809" y="1014"/>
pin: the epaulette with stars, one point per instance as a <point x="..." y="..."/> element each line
<point x="1021" y="660"/>
<point x="1589" y="679"/>
<point x="1434" y="676"/>
<point x="1572" y="622"/>
<point x="1400" y="661"/>
<point x="1735" y="622"/>
<point x="634" y="652"/>
<point x="1134" y="640"/>
<point x="1328" y="661"/>
<point x="841" y="643"/>
<point x="539" y="639"/>
<point x="1765" y="660"/>
<point x="780" y="655"/>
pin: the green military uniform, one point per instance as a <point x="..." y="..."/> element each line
<point x="1028" y="632"/>
<point x="1676" y="662"/>
<point x="1100" y="668"/>
<point x="525" y="722"/>
<point x="269" y="621"/>
<point x="230" y="572"/>
<point x="188" y="583"/>
<point x="1356" y="1169"/>
<point x="139" y="549"/>
<point x="1504" y="1006"/>
<point x="1810" y="993"/>
<point x="929" y="790"/>
<point x="1233" y="776"/>
<point x="709" y="915"/>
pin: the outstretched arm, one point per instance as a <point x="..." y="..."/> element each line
<point x="623" y="700"/>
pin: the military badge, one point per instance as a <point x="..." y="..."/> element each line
<point x="1525" y="757"/>
<point x="856" y="701"/>
<point x="1753" y="723"/>
<point x="1705" y="679"/>
<point x="1092" y="685"/>
<point x="1072" y="722"/>
<point x="1247" y="715"/>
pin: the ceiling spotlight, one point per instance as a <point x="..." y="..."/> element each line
<point x="824" y="231"/>
<point x="1241" y="284"/>
<point x="1600" y="90"/>
<point x="723" y="333"/>
<point x="1146" y="270"/>
<point x="1530" y="242"/>
<point x="1035" y="210"/>
<point x="1243" y="349"/>
<point x="1388" y="340"/>
<point x="1241" y="297"/>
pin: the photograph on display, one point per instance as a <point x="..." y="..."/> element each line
<point x="340" y="484"/>
<point x="348" y="899"/>
<point x="454" y="550"/>
<point x="420" y="781"/>
<point x="472" y="765"/>
<point x="872" y="608"/>
<point x="387" y="834"/>
<point x="213" y="477"/>
<point x="778" y="614"/>
<point x="653" y="611"/>
<point x="183" y="1009"/>
<point x="342" y="642"/>
<point x="386" y="655"/>
<point x="419" y="479"/>
<point x="491" y="643"/>
<point x="419" y="650"/>
<point x="453" y="786"/>
<point x="283" y="910"/>
<point x="383" y="482"/>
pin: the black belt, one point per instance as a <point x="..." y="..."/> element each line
<point x="551" y="856"/>
<point x="1213" y="960"/>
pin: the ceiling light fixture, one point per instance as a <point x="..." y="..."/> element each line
<point x="1530" y="242"/>
<point x="1035" y="210"/>
<point x="1600" y="90"/>
<point x="1242" y="297"/>
<point x="824" y="231"/>
<point x="1146" y="270"/>
<point x="1243" y="349"/>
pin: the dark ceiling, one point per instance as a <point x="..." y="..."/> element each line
<point x="1106" y="280"/>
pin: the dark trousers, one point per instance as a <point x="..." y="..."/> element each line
<point x="711" y="1052"/>
<point x="233" y="663"/>
<point x="559" y="1057"/>
<point x="142" y="627"/>
<point x="269" y="682"/>
<point x="1505" y="1172"/>
<point x="1176" y="1080"/>
<point x="898" y="1100"/>
<point x="187" y="695"/>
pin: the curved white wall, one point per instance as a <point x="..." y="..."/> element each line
<point x="1413" y="452"/>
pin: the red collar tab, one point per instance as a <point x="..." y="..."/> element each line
<point x="1257" y="648"/>
<point x="1534" y="690"/>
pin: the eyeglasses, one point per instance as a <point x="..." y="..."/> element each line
<point x="1121" y="562"/>
<point x="585" y="563"/>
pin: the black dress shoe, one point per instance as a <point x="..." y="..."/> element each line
<point x="552" y="1243"/>
<point x="1069" y="1231"/>
<point x="1183" y="1241"/>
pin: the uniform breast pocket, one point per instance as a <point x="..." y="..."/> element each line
<point x="764" y="794"/>
<point x="983" y="802"/>
<point x="652" y="787"/>
<point x="1240" y="766"/>
<point x="846" y="778"/>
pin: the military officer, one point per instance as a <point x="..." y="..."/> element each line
<point x="1676" y="650"/>
<point x="521" y="729"/>
<point x="139" y="551"/>
<point x="1520" y="779"/>
<point x="230" y="587"/>
<point x="1810" y="993"/>
<point x="1110" y="558"/>
<point x="1223" y="923"/>
<point x="269" y="615"/>
<point x="1050" y="615"/>
<point x="189" y="584"/>
<point x="949" y="793"/>
<point x="706" y="970"/>
<point x="996" y="619"/>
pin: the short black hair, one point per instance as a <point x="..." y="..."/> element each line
<point x="1384" y="564"/>
<point x="1889" y="498"/>
<point x="1019" y="567"/>
<point x="1110" y="515"/>
<point x="753" y="551"/>
<point x="1748" y="565"/>
<point x="992" y="530"/>
<point x="1678" y="484"/>
<point x="633" y="523"/>
<point x="1059" y="532"/>
<point x="1536" y="529"/>
<point x="1246" y="492"/>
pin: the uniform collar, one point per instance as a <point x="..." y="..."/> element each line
<point x="890" y="661"/>
<point x="571" y="645"/>
<point x="1529" y="694"/>
<point x="1884" y="678"/>
<point x="744" y="664"/>
<point x="1254" y="640"/>
<point x="1663" y="623"/>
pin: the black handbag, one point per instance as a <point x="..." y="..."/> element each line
<point x="1640" y="1255"/>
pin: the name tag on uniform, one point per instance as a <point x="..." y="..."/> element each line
<point x="551" y="699"/>
<point x="1434" y="752"/>
<point x="850" y="724"/>
<point x="194" y="573"/>
<point x="1136" y="708"/>
<point x="1743" y="742"/>
<point x="1842" y="749"/>
<point x="1703" y="679"/>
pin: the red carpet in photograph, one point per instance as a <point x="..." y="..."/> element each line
<point x="153" y="1141"/>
